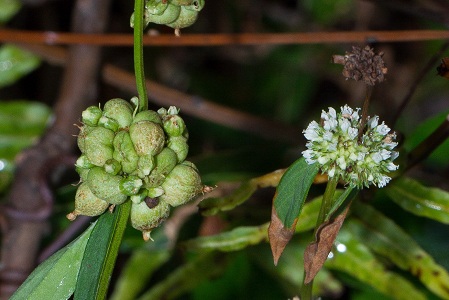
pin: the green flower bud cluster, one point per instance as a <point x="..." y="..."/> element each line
<point x="140" y="157"/>
<point x="173" y="13"/>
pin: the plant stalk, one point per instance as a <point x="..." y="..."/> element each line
<point x="326" y="205"/>
<point x="139" y="7"/>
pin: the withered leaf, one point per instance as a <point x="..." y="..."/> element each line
<point x="279" y="235"/>
<point x="316" y="252"/>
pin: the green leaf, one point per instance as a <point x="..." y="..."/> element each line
<point x="211" y="206"/>
<point x="21" y="123"/>
<point x="15" y="63"/>
<point x="234" y="240"/>
<point x="8" y="8"/>
<point x="137" y="272"/>
<point x="354" y="258"/>
<point x="432" y="203"/>
<point x="292" y="191"/>
<point x="187" y="277"/>
<point x="101" y="253"/>
<point x="56" y="277"/>
<point x="386" y="238"/>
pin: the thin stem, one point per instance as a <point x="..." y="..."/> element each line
<point x="138" y="54"/>
<point x="369" y="91"/>
<point x="326" y="205"/>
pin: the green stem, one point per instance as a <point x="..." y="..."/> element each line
<point x="326" y="205"/>
<point x="139" y="7"/>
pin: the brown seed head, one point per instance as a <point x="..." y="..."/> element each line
<point x="363" y="64"/>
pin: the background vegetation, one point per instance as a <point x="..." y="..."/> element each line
<point x="246" y="106"/>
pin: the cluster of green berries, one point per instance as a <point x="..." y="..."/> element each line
<point x="136" y="156"/>
<point x="173" y="13"/>
<point x="335" y="145"/>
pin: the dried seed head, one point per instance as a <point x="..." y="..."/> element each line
<point x="363" y="64"/>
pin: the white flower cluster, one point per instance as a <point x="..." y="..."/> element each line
<point x="335" y="145"/>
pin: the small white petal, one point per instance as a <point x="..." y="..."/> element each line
<point x="373" y="122"/>
<point x="341" y="162"/>
<point x="394" y="155"/>
<point x="323" y="159"/>
<point x="383" y="181"/>
<point x="344" y="125"/>
<point x="346" y="110"/>
<point x="331" y="172"/>
<point x="383" y="129"/>
<point x="327" y="136"/>
<point x="332" y="112"/>
<point x="392" y="167"/>
<point x="330" y="124"/>
<point x="385" y="154"/>
<point x="324" y="115"/>
<point x="353" y="132"/>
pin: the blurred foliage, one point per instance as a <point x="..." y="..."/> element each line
<point x="290" y="83"/>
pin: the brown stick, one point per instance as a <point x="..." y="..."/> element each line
<point x="22" y="236"/>
<point x="64" y="38"/>
<point x="189" y="104"/>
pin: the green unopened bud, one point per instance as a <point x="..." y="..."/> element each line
<point x="81" y="140"/>
<point x="155" y="7"/>
<point x="165" y="162"/>
<point x="181" y="185"/>
<point x="98" y="145"/>
<point x="148" y="115"/>
<point x="108" y="123"/>
<point x="124" y="152"/>
<point x="174" y="125"/>
<point x="105" y="186"/>
<point x="91" y="115"/>
<point x="83" y="162"/>
<point x="181" y="2"/>
<point x="130" y="185"/>
<point x="170" y="14"/>
<point x="146" y="219"/>
<point x="155" y="192"/>
<point x="86" y="203"/>
<point x="119" y="110"/>
<point x="139" y="197"/>
<point x="180" y="146"/>
<point x="83" y="173"/>
<point x="112" y="166"/>
<point x="147" y="137"/>
<point x="145" y="165"/>
<point x="186" y="18"/>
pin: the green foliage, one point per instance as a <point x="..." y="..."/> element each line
<point x="56" y="277"/>
<point x="8" y="8"/>
<point x="293" y="189"/>
<point x="100" y="254"/>
<point x="15" y="63"/>
<point x="432" y="203"/>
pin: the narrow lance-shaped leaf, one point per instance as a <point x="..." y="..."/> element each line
<point x="386" y="238"/>
<point x="351" y="256"/>
<point x="101" y="253"/>
<point x="288" y="202"/>
<point x="423" y="201"/>
<point x="212" y="206"/>
<point x="56" y="277"/>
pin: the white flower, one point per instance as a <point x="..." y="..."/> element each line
<point x="336" y="146"/>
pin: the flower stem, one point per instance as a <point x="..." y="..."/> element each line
<point x="369" y="91"/>
<point x="326" y="205"/>
<point x="138" y="54"/>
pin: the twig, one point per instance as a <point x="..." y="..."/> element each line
<point x="208" y="40"/>
<point x="190" y="105"/>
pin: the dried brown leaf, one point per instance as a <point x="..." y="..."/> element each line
<point x="316" y="252"/>
<point x="279" y="235"/>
